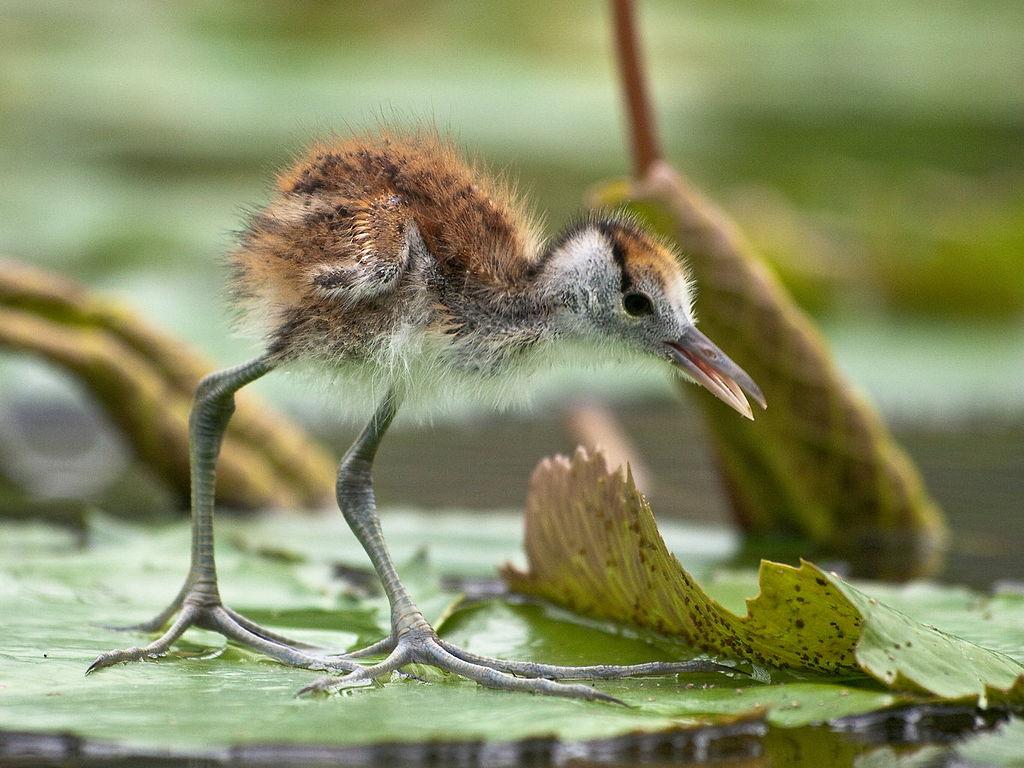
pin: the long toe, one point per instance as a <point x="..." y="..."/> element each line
<point x="593" y="672"/>
<point x="490" y="677"/>
<point x="234" y="627"/>
<point x="427" y="648"/>
<point x="271" y="636"/>
<point x="123" y="656"/>
<point x="187" y="618"/>
<point x="399" y="657"/>
<point x="222" y="620"/>
<point x="324" y="685"/>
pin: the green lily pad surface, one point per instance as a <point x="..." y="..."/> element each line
<point x="55" y="595"/>
<point x="54" y="598"/>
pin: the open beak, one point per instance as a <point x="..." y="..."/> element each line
<point x="706" y="364"/>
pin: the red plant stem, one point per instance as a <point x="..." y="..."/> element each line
<point x="644" y="142"/>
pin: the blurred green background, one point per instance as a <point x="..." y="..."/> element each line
<point x="873" y="151"/>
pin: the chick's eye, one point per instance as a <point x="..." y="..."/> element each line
<point x="637" y="304"/>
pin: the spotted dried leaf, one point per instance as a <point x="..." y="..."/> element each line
<point x="593" y="546"/>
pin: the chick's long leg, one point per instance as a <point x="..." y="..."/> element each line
<point x="412" y="639"/>
<point x="199" y="603"/>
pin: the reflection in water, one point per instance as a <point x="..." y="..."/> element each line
<point x="919" y="736"/>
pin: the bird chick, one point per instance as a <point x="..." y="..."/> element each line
<point x="390" y="259"/>
<point x="393" y="260"/>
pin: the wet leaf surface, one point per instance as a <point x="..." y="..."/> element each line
<point x="54" y="594"/>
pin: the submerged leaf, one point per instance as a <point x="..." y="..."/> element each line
<point x="1002" y="748"/>
<point x="593" y="546"/>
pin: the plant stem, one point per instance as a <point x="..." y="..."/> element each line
<point x="644" y="141"/>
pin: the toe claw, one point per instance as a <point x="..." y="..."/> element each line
<point x="599" y="696"/>
<point x="234" y="627"/>
<point x="320" y="686"/>
<point x="110" y="658"/>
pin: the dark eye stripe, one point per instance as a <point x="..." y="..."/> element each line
<point x="619" y="254"/>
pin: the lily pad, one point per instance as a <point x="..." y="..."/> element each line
<point x="54" y="596"/>
<point x="206" y="695"/>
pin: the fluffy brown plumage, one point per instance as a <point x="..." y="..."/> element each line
<point x="326" y="255"/>
<point x="392" y="258"/>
